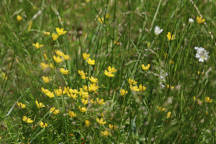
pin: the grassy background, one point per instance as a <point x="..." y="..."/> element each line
<point x="131" y="23"/>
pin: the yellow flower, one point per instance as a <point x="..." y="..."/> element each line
<point x="93" y="79"/>
<point x="82" y="74"/>
<point x="200" y="20"/>
<point x="208" y="100"/>
<point x="142" y="88"/>
<point x="46" y="33"/>
<point x="44" y="66"/>
<point x="43" y="125"/>
<point x="123" y="92"/>
<point x="59" y="53"/>
<point x="91" y="61"/>
<point x="72" y="114"/>
<point x="73" y="96"/>
<point x="66" y="57"/>
<point x="168" y="114"/>
<point x="170" y="36"/>
<point x="132" y="81"/>
<point x="145" y="68"/>
<point x="55" y="36"/>
<point x="60" y="31"/>
<point x="100" y="121"/>
<point x="112" y="69"/>
<point x="46" y="79"/>
<point x="19" y="18"/>
<point x="100" y="19"/>
<point x="37" y="45"/>
<point x="171" y="87"/>
<point x="27" y="120"/>
<point x="84" y="94"/>
<point x="105" y="133"/>
<point x="47" y="92"/>
<point x="93" y="87"/>
<point x="84" y="101"/>
<point x="108" y="74"/>
<point x="58" y="92"/>
<point x="4" y="76"/>
<point x="57" y="59"/>
<point x="83" y="109"/>
<point x="162" y="109"/>
<point x="87" y="123"/>
<point x="85" y="56"/>
<point x="134" y="88"/>
<point x="39" y="105"/>
<point x="64" y="71"/>
<point x="100" y="101"/>
<point x="21" y="105"/>
<point x="54" y="110"/>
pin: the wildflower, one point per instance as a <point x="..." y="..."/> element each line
<point x="74" y="96"/>
<point x="100" y="101"/>
<point x="105" y="133"/>
<point x="171" y="87"/>
<point x="112" y="127"/>
<point x="142" y="88"/>
<point x="170" y="36"/>
<point x="93" y="87"/>
<point x="27" y="120"/>
<point x="158" y="30"/>
<point x="110" y="71"/>
<point x="66" y="57"/>
<point x="123" y="92"/>
<point x="85" y="56"/>
<point x="145" y="68"/>
<point x="200" y="20"/>
<point x="21" y="105"/>
<point x="93" y="79"/>
<point x="57" y="59"/>
<point x="59" y="53"/>
<point x="64" y="71"/>
<point x="54" y="110"/>
<point x="4" y="76"/>
<point x="83" y="109"/>
<point x="60" y="31"/>
<point x="37" y="45"/>
<point x="190" y="20"/>
<point x="39" y="105"/>
<point x="132" y="81"/>
<point x="91" y="61"/>
<point x="100" y="121"/>
<point x="134" y="88"/>
<point x="58" y="92"/>
<point x="46" y="33"/>
<point x="162" y="109"/>
<point x="46" y="79"/>
<point x="84" y="101"/>
<point x="83" y="94"/>
<point x="100" y="19"/>
<point x="168" y="114"/>
<point x="208" y="100"/>
<point x="42" y="124"/>
<point x="19" y="18"/>
<point x="87" y="123"/>
<point x="201" y="54"/>
<point x="72" y="114"/>
<point x="44" y="66"/>
<point x="55" y="36"/>
<point x="47" y="92"/>
<point x="82" y="74"/>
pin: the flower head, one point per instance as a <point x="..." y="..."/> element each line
<point x="91" y="61"/>
<point x="39" y="105"/>
<point x="145" y="68"/>
<point x="170" y="36"/>
<point x="42" y="124"/>
<point x="21" y="105"/>
<point x="27" y="120"/>
<point x="54" y="110"/>
<point x="64" y="71"/>
<point x="37" y="45"/>
<point x="201" y="54"/>
<point x="46" y="79"/>
<point x="55" y="36"/>
<point x="60" y="31"/>
<point x="158" y="30"/>
<point x="200" y="20"/>
<point x="123" y="92"/>
<point x="19" y="18"/>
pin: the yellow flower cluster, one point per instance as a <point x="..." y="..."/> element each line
<point x="109" y="72"/>
<point x="59" y="32"/>
<point x="47" y="92"/>
<point x="27" y="120"/>
<point x="134" y="87"/>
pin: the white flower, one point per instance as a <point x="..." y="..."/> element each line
<point x="158" y="30"/>
<point x="191" y="20"/>
<point x="201" y="54"/>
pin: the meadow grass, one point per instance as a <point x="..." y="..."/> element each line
<point x="98" y="71"/>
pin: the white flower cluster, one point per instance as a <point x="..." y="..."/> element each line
<point x="201" y="54"/>
<point x="158" y="30"/>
